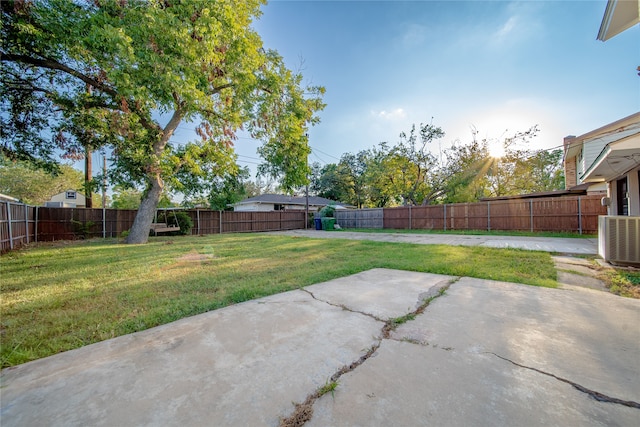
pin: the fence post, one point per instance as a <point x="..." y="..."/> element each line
<point x="220" y="214"/>
<point x="26" y="222"/>
<point x="35" y="228"/>
<point x="445" y="217"/>
<point x="488" y="216"/>
<point x="531" y="214"/>
<point x="10" y="225"/>
<point x="198" y="219"/>
<point x="104" y="221"/>
<point x="580" y="214"/>
<point x="409" y="217"/>
<point x="466" y="216"/>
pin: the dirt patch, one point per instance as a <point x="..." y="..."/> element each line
<point x="194" y="256"/>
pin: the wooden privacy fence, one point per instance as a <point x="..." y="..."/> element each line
<point x="21" y="224"/>
<point x="361" y="218"/>
<point x="17" y="225"/>
<point x="66" y="223"/>
<point x="577" y="214"/>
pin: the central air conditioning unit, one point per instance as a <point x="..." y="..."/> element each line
<point x="619" y="239"/>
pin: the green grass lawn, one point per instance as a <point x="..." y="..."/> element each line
<point x="56" y="297"/>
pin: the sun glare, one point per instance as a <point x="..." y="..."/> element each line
<point x="496" y="149"/>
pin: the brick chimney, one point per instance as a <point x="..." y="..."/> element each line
<point x="570" y="175"/>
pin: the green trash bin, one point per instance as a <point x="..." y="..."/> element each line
<point x="328" y="223"/>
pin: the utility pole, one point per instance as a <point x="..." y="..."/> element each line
<point x="104" y="195"/>
<point x="306" y="191"/>
<point x="104" y="180"/>
<point x="88" y="174"/>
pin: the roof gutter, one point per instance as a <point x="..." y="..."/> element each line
<point x="622" y="14"/>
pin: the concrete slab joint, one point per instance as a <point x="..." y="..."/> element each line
<point x="303" y="412"/>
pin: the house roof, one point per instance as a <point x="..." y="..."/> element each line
<point x="627" y="125"/>
<point x="282" y="199"/>
<point x="577" y="190"/>
<point x="619" y="15"/>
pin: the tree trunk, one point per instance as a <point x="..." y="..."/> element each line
<point x="139" y="232"/>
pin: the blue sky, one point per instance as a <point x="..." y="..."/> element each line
<point x="500" y="66"/>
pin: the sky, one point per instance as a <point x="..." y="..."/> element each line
<point x="497" y="66"/>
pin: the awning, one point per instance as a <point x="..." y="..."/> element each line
<point x="615" y="160"/>
<point x="619" y="15"/>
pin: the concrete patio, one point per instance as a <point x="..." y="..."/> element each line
<point x="483" y="353"/>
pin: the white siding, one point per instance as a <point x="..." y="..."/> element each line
<point x="267" y="207"/>
<point x="61" y="199"/>
<point x="253" y="207"/>
<point x="590" y="151"/>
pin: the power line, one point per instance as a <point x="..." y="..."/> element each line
<point x="248" y="162"/>
<point x="318" y="157"/>
<point x="248" y="157"/>
<point x="326" y="154"/>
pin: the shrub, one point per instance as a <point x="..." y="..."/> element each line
<point x="82" y="229"/>
<point x="327" y="211"/>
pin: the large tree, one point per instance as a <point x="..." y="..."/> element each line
<point x="410" y="170"/>
<point x="125" y="73"/>
<point x="465" y="172"/>
<point x="470" y="173"/>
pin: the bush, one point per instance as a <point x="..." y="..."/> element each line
<point x="82" y="229"/>
<point x="181" y="219"/>
<point x="327" y="211"/>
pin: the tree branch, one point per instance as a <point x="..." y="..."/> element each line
<point x="52" y="64"/>
<point x="55" y="65"/>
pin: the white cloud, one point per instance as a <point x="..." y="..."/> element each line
<point x="414" y="35"/>
<point x="507" y="28"/>
<point x="510" y="26"/>
<point x="396" y="114"/>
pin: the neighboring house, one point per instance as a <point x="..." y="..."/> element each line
<point x="67" y="199"/>
<point x="279" y="202"/>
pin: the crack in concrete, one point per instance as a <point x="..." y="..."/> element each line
<point x="342" y="306"/>
<point x="303" y="412"/>
<point x="594" y="394"/>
